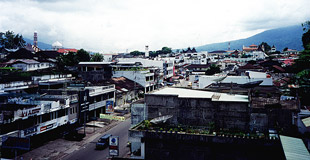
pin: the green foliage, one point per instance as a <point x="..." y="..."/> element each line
<point x="213" y="69"/>
<point x="11" y="41"/>
<point x="306" y="35"/>
<point x="153" y="54"/>
<point x="147" y="124"/>
<point x="136" y="53"/>
<point x="302" y="67"/>
<point x="166" y="50"/>
<point x="303" y="62"/>
<point x="266" y="46"/>
<point x="83" y="56"/>
<point x="303" y="77"/>
<point x="97" y="57"/>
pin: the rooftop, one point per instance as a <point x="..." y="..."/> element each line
<point x="188" y="93"/>
<point x="94" y="63"/>
<point x="294" y="148"/>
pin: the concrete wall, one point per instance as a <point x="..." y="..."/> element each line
<point x="199" y="112"/>
<point x="161" y="145"/>
<point x="207" y="80"/>
<point x="137" y="76"/>
<point x="138" y="113"/>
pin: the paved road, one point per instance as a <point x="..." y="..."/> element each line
<point x="89" y="152"/>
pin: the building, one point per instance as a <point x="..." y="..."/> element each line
<point x="95" y="71"/>
<point x="165" y="65"/>
<point x="198" y="124"/>
<point x="250" y="48"/>
<point x="193" y="107"/>
<point x="29" y="64"/>
<point x="66" y="50"/>
<point x="56" y="46"/>
<point x="134" y="71"/>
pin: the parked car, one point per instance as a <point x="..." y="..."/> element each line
<point x="103" y="141"/>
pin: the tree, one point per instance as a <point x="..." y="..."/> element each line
<point x="285" y="49"/>
<point x="306" y="35"/>
<point x="213" y="69"/>
<point x="153" y="54"/>
<point x="166" y="50"/>
<point x="302" y="66"/>
<point x="70" y="59"/>
<point x="97" y="57"/>
<point x="266" y="46"/>
<point x="82" y="56"/>
<point x="11" y="41"/>
<point x="136" y="53"/>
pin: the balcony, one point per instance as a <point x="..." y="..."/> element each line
<point x="93" y="91"/>
<point x="100" y="104"/>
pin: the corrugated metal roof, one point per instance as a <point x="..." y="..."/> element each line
<point x="306" y="121"/>
<point x="294" y="148"/>
<point x="214" y="96"/>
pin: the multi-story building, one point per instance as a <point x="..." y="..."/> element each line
<point x="95" y="71"/>
<point x="165" y="66"/>
<point x="136" y="72"/>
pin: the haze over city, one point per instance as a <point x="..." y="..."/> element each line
<point x="115" y="26"/>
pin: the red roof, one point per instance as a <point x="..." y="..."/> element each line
<point x="288" y="61"/>
<point x="250" y="66"/>
<point x="253" y="45"/>
<point x="62" y="50"/>
<point x="278" y="68"/>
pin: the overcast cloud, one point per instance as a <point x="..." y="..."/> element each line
<point x="116" y="25"/>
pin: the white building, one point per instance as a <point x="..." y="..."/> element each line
<point x="29" y="64"/>
<point x="164" y="64"/>
<point x="143" y="77"/>
<point x="205" y="81"/>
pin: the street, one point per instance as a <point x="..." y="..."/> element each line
<point x="89" y="152"/>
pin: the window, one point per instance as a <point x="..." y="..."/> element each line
<point x="61" y="113"/>
<point x="45" y="117"/>
<point x="111" y="95"/>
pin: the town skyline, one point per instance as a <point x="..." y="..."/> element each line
<point x="103" y="26"/>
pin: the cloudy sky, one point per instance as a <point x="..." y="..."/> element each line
<point x="117" y="25"/>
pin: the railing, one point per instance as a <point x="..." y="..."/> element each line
<point x="93" y="90"/>
<point x="16" y="84"/>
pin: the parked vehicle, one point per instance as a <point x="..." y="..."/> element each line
<point x="103" y="141"/>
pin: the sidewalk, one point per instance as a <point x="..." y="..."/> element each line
<point x="60" y="148"/>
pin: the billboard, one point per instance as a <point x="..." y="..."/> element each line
<point x="109" y="107"/>
<point x="106" y="116"/>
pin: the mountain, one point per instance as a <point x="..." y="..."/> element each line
<point x="41" y="45"/>
<point x="281" y="37"/>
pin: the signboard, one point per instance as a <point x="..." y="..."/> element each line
<point x="109" y="107"/>
<point x="106" y="116"/>
<point x="30" y="130"/>
<point x="83" y="100"/>
<point x="113" y="146"/>
<point x="16" y="143"/>
<point x="27" y="112"/>
<point x="47" y="127"/>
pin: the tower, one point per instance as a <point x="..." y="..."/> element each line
<point x="229" y="46"/>
<point x="146" y="51"/>
<point x="35" y="39"/>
